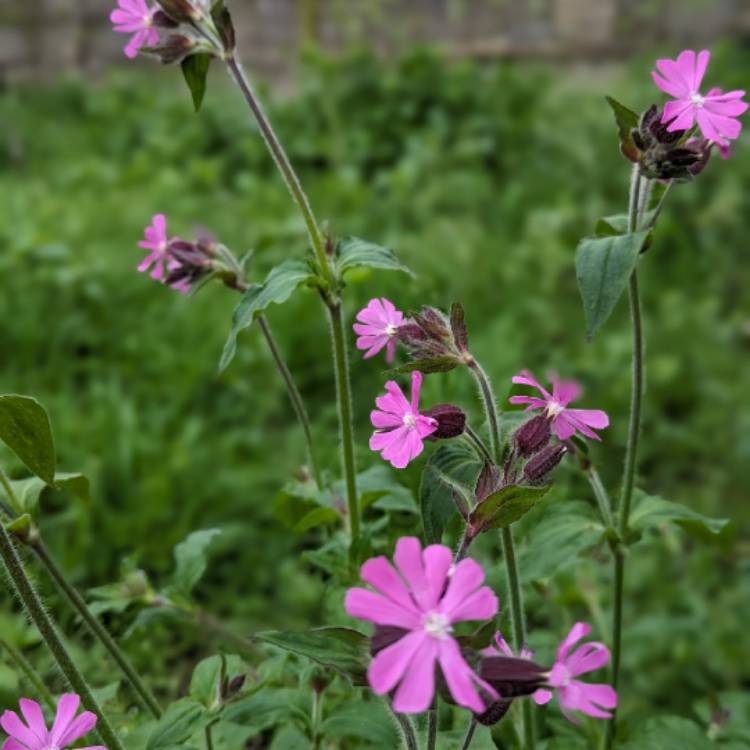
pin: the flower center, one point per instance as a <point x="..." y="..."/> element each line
<point x="390" y="330"/>
<point x="437" y="625"/>
<point x="554" y="408"/>
<point x="410" y="420"/>
<point x="559" y="676"/>
<point x="697" y="100"/>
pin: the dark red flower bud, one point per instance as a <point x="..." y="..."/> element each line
<point x="181" y="11"/>
<point x="537" y="467"/>
<point x="532" y="436"/>
<point x="163" y="21"/>
<point x="434" y="324"/>
<point x="458" y="328"/>
<point x="511" y="676"/>
<point x="451" y="421"/>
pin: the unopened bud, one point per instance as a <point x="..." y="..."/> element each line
<point x="537" y="467"/>
<point x="235" y="685"/>
<point x="181" y="11"/>
<point x="433" y="323"/>
<point x="451" y="421"/>
<point x="532" y="436"/>
<point x="175" y="48"/>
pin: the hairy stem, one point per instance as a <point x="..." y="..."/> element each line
<point x="284" y="165"/>
<point x="38" y="615"/>
<point x="432" y="728"/>
<point x="478" y="443"/>
<point x="29" y="673"/>
<point x="631" y="451"/>
<point x="346" y="428"/>
<point x="407" y="729"/>
<point x="600" y="493"/>
<point x="509" y="552"/>
<point x="145" y="696"/>
<point x="294" y="395"/>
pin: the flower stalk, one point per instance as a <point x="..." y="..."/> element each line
<point x="38" y="615"/>
<point x="29" y="673"/>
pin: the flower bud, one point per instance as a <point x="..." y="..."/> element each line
<point x="451" y="421"/>
<point x="532" y="436"/>
<point x="537" y="467"/>
<point x="181" y="11"/>
<point x="511" y="676"/>
<point x="430" y="335"/>
<point x="175" y="48"/>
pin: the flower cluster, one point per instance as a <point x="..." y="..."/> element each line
<point x="33" y="734"/>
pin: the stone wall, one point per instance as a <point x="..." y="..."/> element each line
<point x="40" y="38"/>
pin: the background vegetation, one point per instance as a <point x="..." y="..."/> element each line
<point x="483" y="179"/>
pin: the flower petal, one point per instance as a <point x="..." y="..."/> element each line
<point x="66" y="710"/>
<point x="389" y="665"/>
<point x="437" y="559"/>
<point x="578" y="631"/>
<point x="408" y="559"/>
<point x="460" y="678"/>
<point x="80" y="726"/>
<point x="381" y="575"/>
<point x="417" y="688"/>
<point x="587" y="658"/>
<point x="14" y="727"/>
<point x="466" y="579"/>
<point x="366" y="605"/>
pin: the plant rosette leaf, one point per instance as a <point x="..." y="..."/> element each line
<point x="342" y="649"/>
<point x="504" y="507"/>
<point x="352" y="252"/>
<point x="25" y="428"/>
<point x="280" y="284"/>
<point x="603" y="268"/>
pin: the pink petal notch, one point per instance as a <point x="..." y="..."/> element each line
<point x="423" y="596"/>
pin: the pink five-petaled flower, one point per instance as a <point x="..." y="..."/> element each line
<point x="33" y="734"/>
<point x="159" y="258"/>
<point x="135" y="17"/>
<point x="565" y="422"/>
<point x="715" y="112"/>
<point x="400" y="428"/>
<point x="424" y="596"/>
<point x="576" y="695"/>
<point x="378" y="323"/>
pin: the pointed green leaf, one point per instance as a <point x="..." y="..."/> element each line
<point x="191" y="561"/>
<point x="195" y="70"/>
<point x="276" y="289"/>
<point x="651" y="511"/>
<point x="352" y="252"/>
<point x="25" y="428"/>
<point x="506" y="506"/>
<point x="603" y="267"/>
<point x="75" y="483"/>
<point x="342" y="649"/>
<point x="460" y="463"/>
<point x="608" y="226"/>
<point x="206" y="680"/>
<point x="626" y="120"/>
<point x="179" y="722"/>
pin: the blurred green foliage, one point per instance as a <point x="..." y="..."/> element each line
<point x="483" y="178"/>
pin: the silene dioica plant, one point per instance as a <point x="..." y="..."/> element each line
<point x="439" y="682"/>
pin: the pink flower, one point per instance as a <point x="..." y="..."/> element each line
<point x="424" y="596"/>
<point x="33" y="734"/>
<point x="378" y="323"/>
<point x="135" y="16"/>
<point x="565" y="422"/>
<point x="504" y="649"/>
<point x="714" y="112"/>
<point x="159" y="259"/>
<point x="400" y="428"/>
<point x="576" y="695"/>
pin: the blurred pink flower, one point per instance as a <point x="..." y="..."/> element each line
<point x="135" y="17"/>
<point x="424" y="595"/>
<point x="503" y="648"/>
<point x="565" y="422"/>
<point x="575" y="695"/>
<point x="159" y="259"/>
<point x="378" y="323"/>
<point x="33" y="734"/>
<point x="714" y="112"/>
<point x="400" y="428"/>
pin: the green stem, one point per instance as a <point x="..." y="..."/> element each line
<point x="140" y="689"/>
<point x="315" y="718"/>
<point x="346" y="429"/>
<point x="631" y="451"/>
<point x="28" y="671"/>
<point x="12" y="497"/>
<point x="478" y="443"/>
<point x="208" y="734"/>
<point x="470" y="734"/>
<point x="407" y="729"/>
<point x="601" y="495"/>
<point x="432" y="728"/>
<point x="509" y="552"/>
<point x="285" y="166"/>
<point x="38" y="615"/>
<point x="294" y="395"/>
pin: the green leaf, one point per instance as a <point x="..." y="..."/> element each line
<point x="465" y="494"/>
<point x="609" y="226"/>
<point x="626" y="120"/>
<point x="26" y="430"/>
<point x="76" y="484"/>
<point x="289" y="738"/>
<point x="505" y="506"/>
<point x="179" y="722"/>
<point x="276" y="289"/>
<point x="368" y="721"/>
<point x="567" y="530"/>
<point x="342" y="649"/>
<point x="352" y="252"/>
<point x="650" y="511"/>
<point x="668" y="733"/>
<point x="268" y="708"/>
<point x="461" y="464"/>
<point x="195" y="70"/>
<point x="430" y="365"/>
<point x="190" y="558"/>
<point x="206" y="679"/>
<point x="317" y="517"/>
<point x="603" y="267"/>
